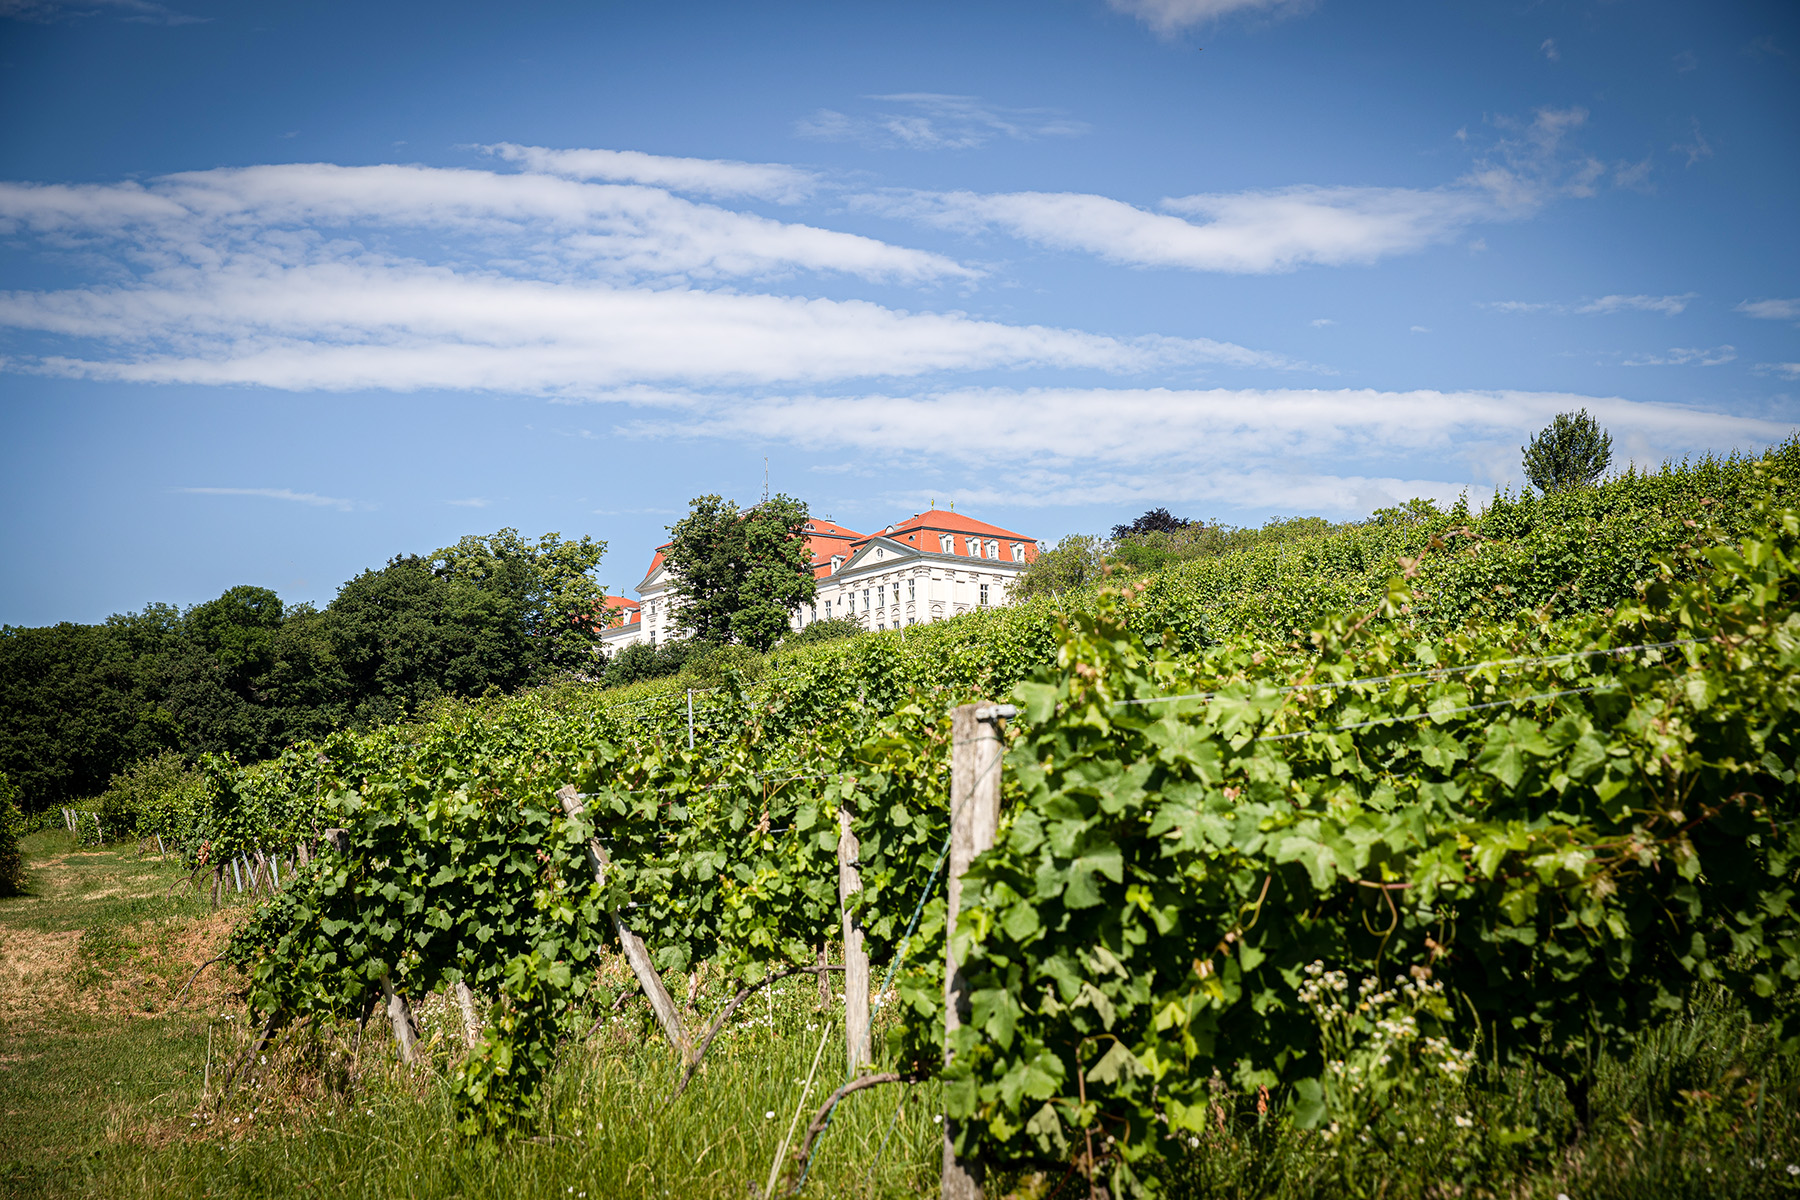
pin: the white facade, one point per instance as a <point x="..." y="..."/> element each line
<point x="890" y="585"/>
<point x="885" y="583"/>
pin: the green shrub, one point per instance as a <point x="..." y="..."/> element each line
<point x="830" y="630"/>
<point x="152" y="797"/>
<point x="12" y="825"/>
<point x="707" y="666"/>
<point x="644" y="661"/>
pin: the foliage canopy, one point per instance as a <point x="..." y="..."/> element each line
<point x="1572" y="451"/>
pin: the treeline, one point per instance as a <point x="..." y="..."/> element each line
<point x="246" y="674"/>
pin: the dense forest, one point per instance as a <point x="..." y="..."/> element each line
<point x="247" y="675"/>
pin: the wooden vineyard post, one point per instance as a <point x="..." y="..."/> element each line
<point x="636" y="953"/>
<point x="856" y="953"/>
<point x="690" y="700"/>
<point x="398" y="1010"/>
<point x="465" y="1000"/>
<point x="400" y="1013"/>
<point x="975" y="750"/>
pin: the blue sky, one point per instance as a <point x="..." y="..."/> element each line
<point x="286" y="289"/>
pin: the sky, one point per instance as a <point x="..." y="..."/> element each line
<point x="287" y="289"/>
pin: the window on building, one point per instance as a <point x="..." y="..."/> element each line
<point x="993" y="549"/>
<point x="865" y="599"/>
<point x="984" y="596"/>
<point x="947" y="543"/>
<point x="828" y="610"/>
<point x="974" y="547"/>
<point x="911" y="588"/>
<point x="1018" y="551"/>
<point x="881" y="596"/>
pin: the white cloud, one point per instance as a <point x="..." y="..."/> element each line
<point x="1679" y="356"/>
<point x="1321" y="322"/>
<point x="1785" y="370"/>
<point x="311" y="498"/>
<point x="471" y="502"/>
<point x="1771" y="310"/>
<point x="1419" y="329"/>
<point x="348" y="325"/>
<point x="1286" y="448"/>
<point x="558" y="226"/>
<point x="1668" y="306"/>
<point x="292" y="277"/>
<point x="937" y="121"/>
<point x="1241" y="232"/>
<point x="1263" y="231"/>
<point x="708" y="176"/>
<point x="1549" y="50"/>
<point x="1168" y="17"/>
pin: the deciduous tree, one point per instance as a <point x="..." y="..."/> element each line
<point x="1572" y="451"/>
<point x="740" y="575"/>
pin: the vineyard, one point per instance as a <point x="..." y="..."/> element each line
<point x="1289" y="844"/>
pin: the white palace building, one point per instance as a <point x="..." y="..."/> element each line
<point x="930" y="567"/>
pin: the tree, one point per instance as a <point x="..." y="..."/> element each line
<point x="1157" y="520"/>
<point x="740" y="575"/>
<point x="550" y="586"/>
<point x="1076" y="561"/>
<point x="1570" y="452"/>
<point x="405" y="635"/>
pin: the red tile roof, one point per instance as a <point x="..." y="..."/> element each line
<point x="919" y="530"/>
<point x="827" y="538"/>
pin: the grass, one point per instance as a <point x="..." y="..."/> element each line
<point x="108" y="1087"/>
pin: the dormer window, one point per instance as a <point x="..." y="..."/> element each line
<point x="837" y="560"/>
<point x="947" y="543"/>
<point x="974" y="547"/>
<point x="993" y="549"/>
<point x="1018" y="551"/>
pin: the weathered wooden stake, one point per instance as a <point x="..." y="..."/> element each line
<point x="856" y="953"/>
<point x="471" y="1019"/>
<point x="690" y="699"/>
<point x="400" y="1013"/>
<point x="235" y="877"/>
<point x="636" y="953"/>
<point x="974" y="822"/>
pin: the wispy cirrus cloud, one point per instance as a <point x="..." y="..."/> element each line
<point x="291" y="276"/>
<point x="344" y="326"/>
<point x="1272" y="230"/>
<point x="1668" y="306"/>
<point x="707" y="176"/>
<point x="936" y="121"/>
<point x="1679" y="356"/>
<point x="1771" y="310"/>
<point x="1334" y="450"/>
<point x="1169" y="17"/>
<point x="309" y="498"/>
<point x="543" y="223"/>
<point x="1787" y="370"/>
